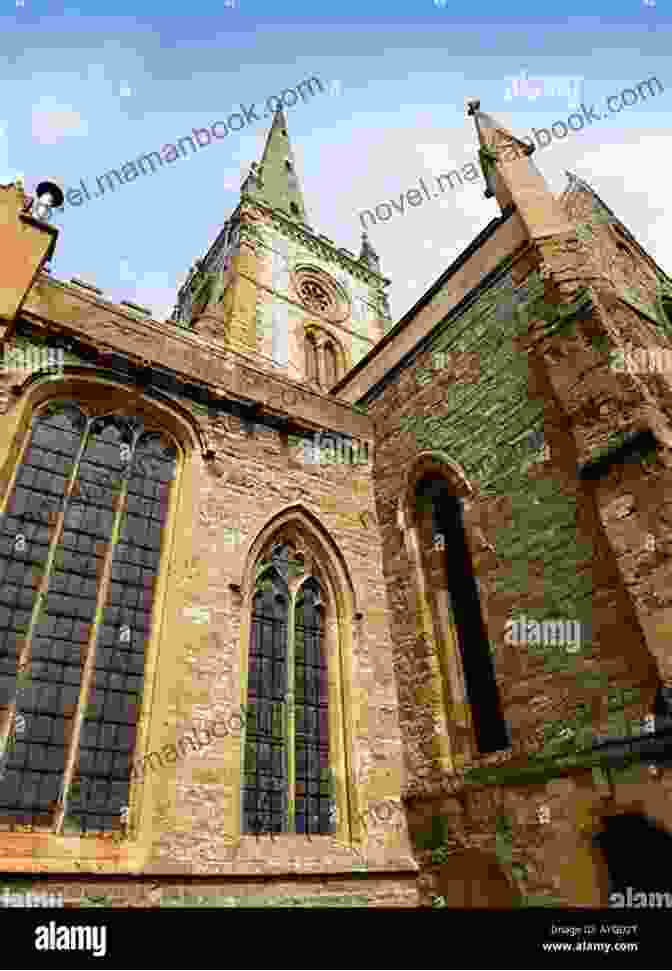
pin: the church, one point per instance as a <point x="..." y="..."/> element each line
<point x="261" y="562"/>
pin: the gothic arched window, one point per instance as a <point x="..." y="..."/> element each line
<point x="330" y="364"/>
<point x="287" y="778"/>
<point x="312" y="373"/>
<point x="449" y="571"/>
<point x="80" y="544"/>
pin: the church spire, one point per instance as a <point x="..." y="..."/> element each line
<point x="273" y="182"/>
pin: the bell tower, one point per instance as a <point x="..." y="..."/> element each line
<point x="272" y="288"/>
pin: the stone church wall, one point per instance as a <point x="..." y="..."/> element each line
<point x="476" y="397"/>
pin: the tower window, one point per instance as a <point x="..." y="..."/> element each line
<point x="294" y="209"/>
<point x="288" y="165"/>
<point x="284" y="132"/>
<point x="311" y="359"/>
<point x="330" y="366"/>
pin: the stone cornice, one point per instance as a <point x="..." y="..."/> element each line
<point x="108" y="329"/>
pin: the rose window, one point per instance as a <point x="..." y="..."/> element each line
<point x="314" y="296"/>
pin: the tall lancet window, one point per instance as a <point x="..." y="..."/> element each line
<point x="287" y="779"/>
<point x="450" y="574"/>
<point x="311" y="359"/>
<point x="330" y="365"/>
<point x="312" y="725"/>
<point x="80" y="544"/>
<point x="265" y="789"/>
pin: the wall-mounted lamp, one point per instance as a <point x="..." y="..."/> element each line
<point x="48" y="196"/>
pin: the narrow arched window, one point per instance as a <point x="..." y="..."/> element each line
<point x="287" y="778"/>
<point x="311" y="739"/>
<point x="311" y="359"/>
<point x="330" y="364"/>
<point x="80" y="544"/>
<point x="449" y="570"/>
<point x="265" y="786"/>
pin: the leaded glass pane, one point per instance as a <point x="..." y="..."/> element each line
<point x="265" y="787"/>
<point x="313" y="789"/>
<point x="108" y="736"/>
<point x="49" y="688"/>
<point x="47" y="691"/>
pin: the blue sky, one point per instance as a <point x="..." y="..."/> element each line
<point x="86" y="90"/>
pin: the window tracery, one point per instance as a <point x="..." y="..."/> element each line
<point x="314" y="297"/>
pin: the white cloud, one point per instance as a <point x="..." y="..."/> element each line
<point x="52" y="121"/>
<point x="153" y="289"/>
<point x="440" y="157"/>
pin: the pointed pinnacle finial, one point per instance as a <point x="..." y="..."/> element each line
<point x="368" y="254"/>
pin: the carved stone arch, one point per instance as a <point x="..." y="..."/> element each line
<point x="435" y="463"/>
<point x="327" y="557"/>
<point x="162" y="411"/>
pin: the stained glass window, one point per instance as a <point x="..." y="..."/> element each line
<point x="287" y="784"/>
<point x="80" y="543"/>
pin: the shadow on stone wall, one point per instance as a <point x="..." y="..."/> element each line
<point x="471" y="878"/>
<point x="637" y="852"/>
